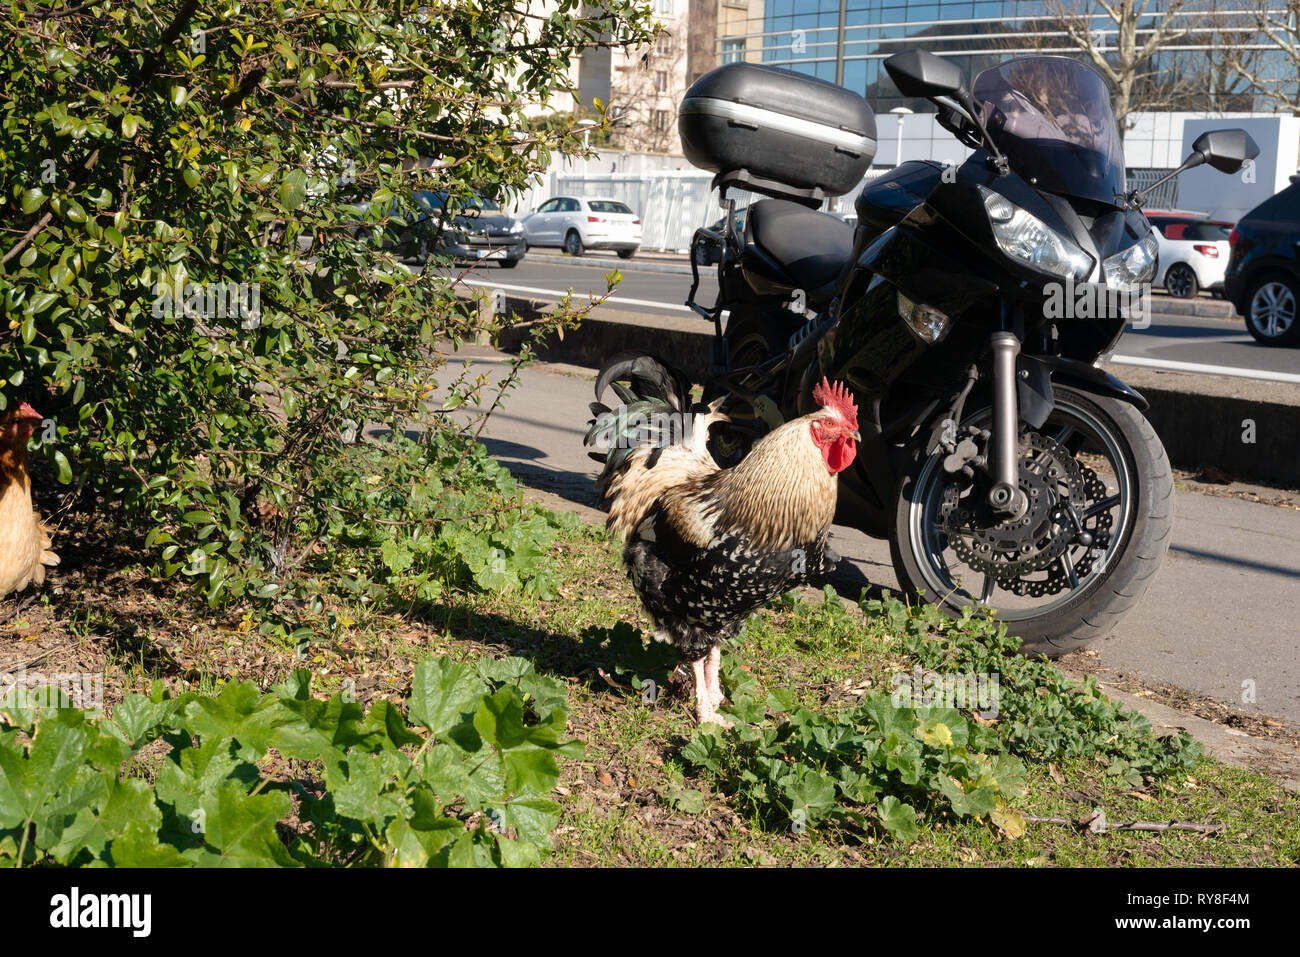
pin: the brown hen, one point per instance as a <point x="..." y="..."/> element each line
<point x="24" y="539"/>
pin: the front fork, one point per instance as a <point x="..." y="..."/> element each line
<point x="1006" y="497"/>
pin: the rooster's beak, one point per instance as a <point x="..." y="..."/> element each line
<point x="855" y="435"/>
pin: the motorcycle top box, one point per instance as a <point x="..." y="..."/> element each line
<point x="777" y="132"/>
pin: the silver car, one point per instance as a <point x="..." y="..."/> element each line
<point x="579" y="223"/>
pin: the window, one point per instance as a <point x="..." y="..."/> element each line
<point x="661" y="81"/>
<point x="664" y="45"/>
<point x="733" y="51"/>
<point x="550" y="206"/>
<point x="608" y="206"/>
<point x="664" y="6"/>
<point x="660" y="121"/>
<point x="1208" y="232"/>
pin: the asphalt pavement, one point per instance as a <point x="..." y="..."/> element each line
<point x="1220" y="619"/>
<point x="1216" y="342"/>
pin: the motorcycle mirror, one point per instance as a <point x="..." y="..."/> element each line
<point x="921" y="73"/>
<point x="1226" y="150"/>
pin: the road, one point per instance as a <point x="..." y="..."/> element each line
<point x="1210" y="341"/>
<point x="1221" y="616"/>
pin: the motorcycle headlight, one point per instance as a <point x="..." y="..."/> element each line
<point x="1026" y="238"/>
<point x="1133" y="266"/>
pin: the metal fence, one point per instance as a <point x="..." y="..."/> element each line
<point x="673" y="203"/>
<point x="1164" y="196"/>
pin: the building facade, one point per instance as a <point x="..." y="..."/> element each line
<point x="646" y="85"/>
<point x="1202" y="44"/>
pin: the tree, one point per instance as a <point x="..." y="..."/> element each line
<point x="162" y="167"/>
<point x="1273" y="72"/>
<point x="644" y="97"/>
<point x="1122" y="46"/>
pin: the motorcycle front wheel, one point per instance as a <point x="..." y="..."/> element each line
<point x="1082" y="556"/>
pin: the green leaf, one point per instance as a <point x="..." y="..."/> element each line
<point x="241" y="827"/>
<point x="899" y="819"/>
<point x="500" y="719"/>
<point x="140" y="719"/>
<point x="411" y="847"/>
<point x="530" y="772"/>
<point x="64" y="468"/>
<point x="293" y="189"/>
<point x="686" y="800"/>
<point x="138" y="846"/>
<point x="443" y="693"/>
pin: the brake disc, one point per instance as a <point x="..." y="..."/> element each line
<point x="1008" y="549"/>
<point x="1057" y="580"/>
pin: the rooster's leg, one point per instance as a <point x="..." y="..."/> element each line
<point x="711" y="681"/>
<point x="705" y="708"/>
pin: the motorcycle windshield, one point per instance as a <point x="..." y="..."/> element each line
<point x="1051" y="116"/>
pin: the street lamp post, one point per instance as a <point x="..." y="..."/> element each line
<point x="900" y="112"/>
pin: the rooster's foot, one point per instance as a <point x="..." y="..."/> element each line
<point x="711" y="716"/>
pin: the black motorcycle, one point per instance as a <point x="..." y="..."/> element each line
<point x="971" y="310"/>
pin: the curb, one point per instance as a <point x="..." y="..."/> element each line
<point x="1244" y="428"/>
<point x="598" y="262"/>
<point x="1232" y="747"/>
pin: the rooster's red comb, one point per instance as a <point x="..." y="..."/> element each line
<point x="838" y="398"/>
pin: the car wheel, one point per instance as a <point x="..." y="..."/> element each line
<point x="573" y="243"/>
<point x="1180" y="281"/>
<point x="1271" y="310"/>
<point x="507" y="263"/>
<point x="626" y="253"/>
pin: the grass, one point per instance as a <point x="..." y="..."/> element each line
<point x="619" y="806"/>
<point x="633" y="799"/>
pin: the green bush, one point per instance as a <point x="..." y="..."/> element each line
<point x="157" y="156"/>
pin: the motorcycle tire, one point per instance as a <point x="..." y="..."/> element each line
<point x="1105" y="596"/>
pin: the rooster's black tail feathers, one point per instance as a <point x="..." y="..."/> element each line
<point x="649" y="378"/>
<point x="653" y="396"/>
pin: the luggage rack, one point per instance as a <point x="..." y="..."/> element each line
<point x="747" y="383"/>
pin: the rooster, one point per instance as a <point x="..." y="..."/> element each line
<point x="24" y="540"/>
<point x="704" y="546"/>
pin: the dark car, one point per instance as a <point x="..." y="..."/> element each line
<point x="464" y="229"/>
<point x="1263" y="276"/>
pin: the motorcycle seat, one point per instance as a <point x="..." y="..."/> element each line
<point x="804" y="249"/>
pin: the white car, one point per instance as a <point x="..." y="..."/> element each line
<point x="1193" y="253"/>
<point x="579" y="223"/>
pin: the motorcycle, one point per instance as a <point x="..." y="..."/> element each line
<point x="971" y="310"/>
